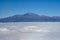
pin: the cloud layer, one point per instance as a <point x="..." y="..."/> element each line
<point x="30" y="31"/>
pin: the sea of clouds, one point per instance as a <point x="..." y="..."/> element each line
<point x="30" y="31"/>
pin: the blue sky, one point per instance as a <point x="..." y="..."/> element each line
<point x="41" y="7"/>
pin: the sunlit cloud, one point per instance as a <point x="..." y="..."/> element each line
<point x="33" y="29"/>
<point x="3" y="29"/>
<point x="6" y="30"/>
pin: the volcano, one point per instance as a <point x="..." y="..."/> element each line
<point x="30" y="17"/>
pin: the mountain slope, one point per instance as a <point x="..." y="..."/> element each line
<point x="30" y="17"/>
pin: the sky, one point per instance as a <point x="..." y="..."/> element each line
<point x="20" y="7"/>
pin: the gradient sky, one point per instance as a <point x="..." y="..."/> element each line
<point x="41" y="7"/>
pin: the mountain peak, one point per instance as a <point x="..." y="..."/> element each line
<point x="30" y="14"/>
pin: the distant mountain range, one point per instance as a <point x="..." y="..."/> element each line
<point x="30" y="17"/>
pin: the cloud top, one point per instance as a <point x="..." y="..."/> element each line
<point x="6" y="30"/>
<point x="32" y="29"/>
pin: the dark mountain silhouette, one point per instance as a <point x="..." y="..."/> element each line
<point x="30" y="17"/>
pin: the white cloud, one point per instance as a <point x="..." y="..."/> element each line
<point x="26" y="39"/>
<point x="32" y="29"/>
<point x="41" y="30"/>
<point x="3" y="29"/>
<point x="6" y="30"/>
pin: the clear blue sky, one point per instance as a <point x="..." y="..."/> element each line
<point x="41" y="7"/>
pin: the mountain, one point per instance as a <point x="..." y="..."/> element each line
<point x="30" y="17"/>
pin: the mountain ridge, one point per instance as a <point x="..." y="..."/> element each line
<point x="30" y="17"/>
